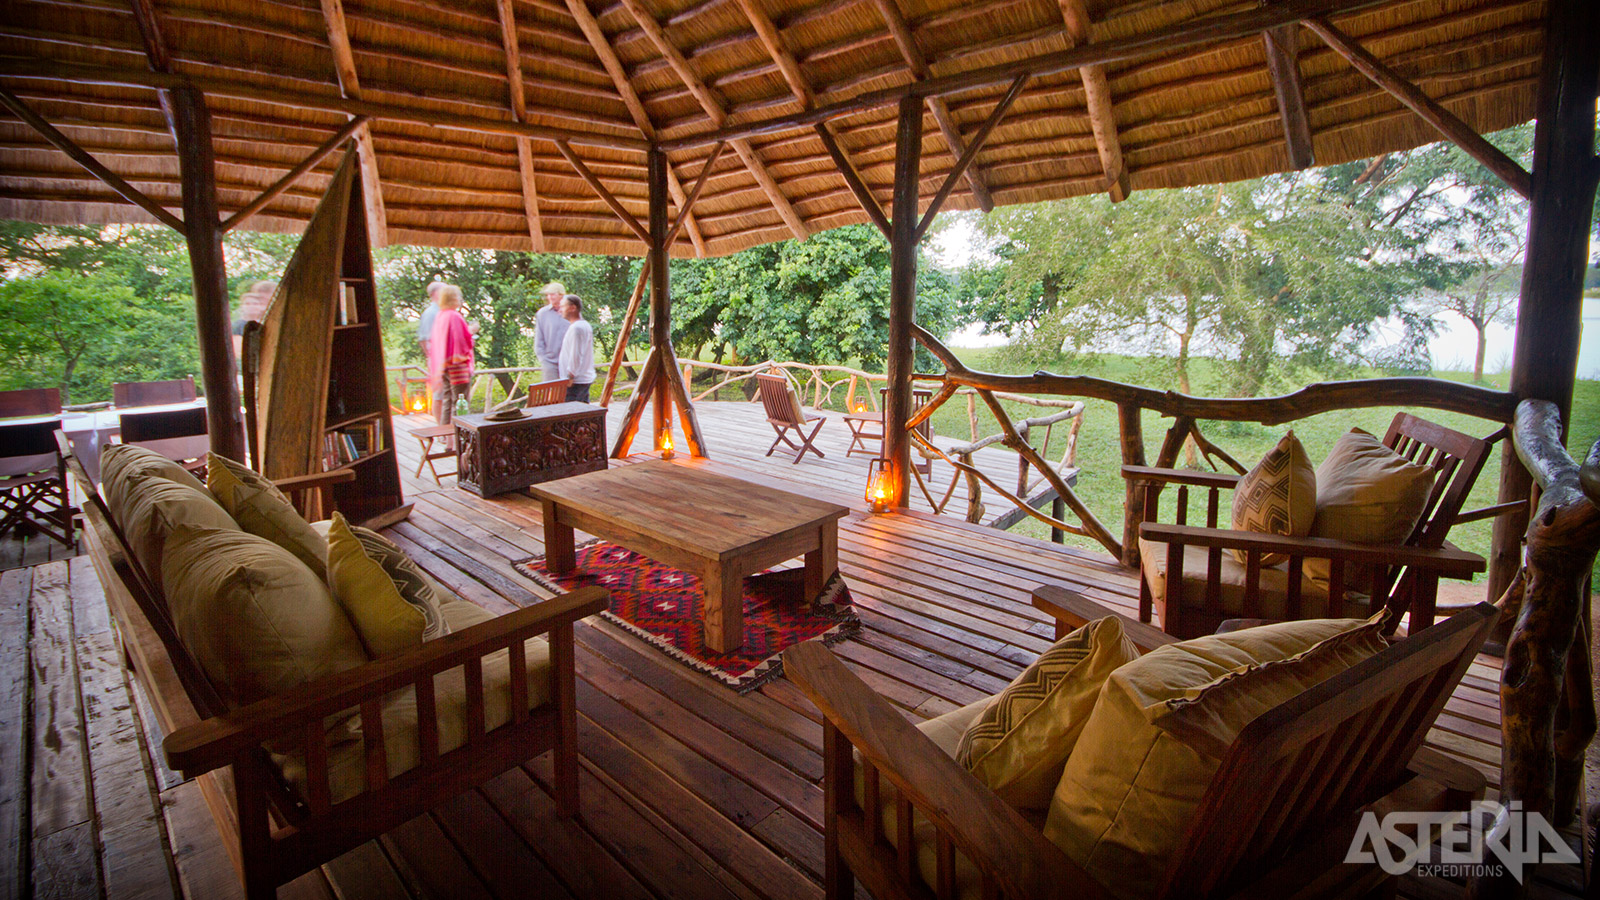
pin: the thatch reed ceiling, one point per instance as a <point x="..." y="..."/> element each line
<point x="606" y="77"/>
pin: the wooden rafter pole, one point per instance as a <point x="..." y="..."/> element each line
<point x="344" y="63"/>
<point x="1544" y="360"/>
<point x="906" y="42"/>
<point x="155" y="50"/>
<point x="295" y="174"/>
<point x="789" y="67"/>
<point x="902" y="298"/>
<point x="610" y="199"/>
<point x="1457" y="131"/>
<point x="978" y="140"/>
<point x="714" y="108"/>
<point x="630" y="98"/>
<point x="519" y="109"/>
<point x="1283" y="61"/>
<point x="1097" y="97"/>
<point x="686" y="206"/>
<point x="96" y="168"/>
<point x="197" y="166"/>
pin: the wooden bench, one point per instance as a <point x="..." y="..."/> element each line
<point x="273" y="833"/>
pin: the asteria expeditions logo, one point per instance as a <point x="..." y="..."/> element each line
<point x="1486" y="840"/>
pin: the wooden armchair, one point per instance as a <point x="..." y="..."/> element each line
<point x="1277" y="817"/>
<point x="785" y="414"/>
<point x="1200" y="585"/>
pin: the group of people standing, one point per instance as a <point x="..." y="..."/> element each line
<point x="563" y="341"/>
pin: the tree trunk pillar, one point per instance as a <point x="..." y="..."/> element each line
<point x="202" y="225"/>
<point x="902" y="299"/>
<point x="1550" y="310"/>
<point x="660" y="302"/>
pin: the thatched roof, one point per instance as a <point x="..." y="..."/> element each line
<point x="277" y="76"/>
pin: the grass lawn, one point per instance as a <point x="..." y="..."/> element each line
<point x="1100" y="458"/>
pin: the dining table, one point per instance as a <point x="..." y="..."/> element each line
<point x="90" y="430"/>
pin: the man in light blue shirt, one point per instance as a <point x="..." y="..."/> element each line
<point x="425" y="323"/>
<point x="549" y="327"/>
<point x="577" y="351"/>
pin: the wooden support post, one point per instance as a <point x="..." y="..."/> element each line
<point x="625" y="332"/>
<point x="902" y="298"/>
<point x="660" y="302"/>
<point x="203" y="230"/>
<point x="1550" y="313"/>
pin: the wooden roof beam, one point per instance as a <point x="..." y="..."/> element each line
<point x="978" y="141"/>
<point x="590" y="26"/>
<point x="719" y="116"/>
<point x="900" y="30"/>
<point x="294" y="174"/>
<point x="605" y="193"/>
<point x="767" y="32"/>
<point x="1097" y="97"/>
<point x="344" y="63"/>
<point x="1457" y="131"/>
<point x="81" y="157"/>
<point x="1283" y="61"/>
<point x="519" y="109"/>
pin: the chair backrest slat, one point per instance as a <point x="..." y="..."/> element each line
<point x="152" y="393"/>
<point x="160" y="424"/>
<point x="30" y="402"/>
<point x="547" y="392"/>
<point x="774" y="391"/>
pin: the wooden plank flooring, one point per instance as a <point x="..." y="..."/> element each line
<point x="688" y="790"/>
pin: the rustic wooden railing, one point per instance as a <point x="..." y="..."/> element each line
<point x="1547" y="714"/>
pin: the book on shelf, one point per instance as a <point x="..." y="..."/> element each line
<point x="348" y="311"/>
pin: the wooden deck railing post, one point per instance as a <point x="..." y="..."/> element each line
<point x="1549" y="315"/>
<point x="902" y="298"/>
<point x="1132" y="430"/>
<point x="203" y="231"/>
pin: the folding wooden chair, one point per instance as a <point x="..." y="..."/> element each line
<point x="33" y="481"/>
<point x="868" y="426"/>
<point x="152" y="393"/>
<point x="426" y="437"/>
<point x="547" y="392"/>
<point x="30" y="402"/>
<point x="785" y="413"/>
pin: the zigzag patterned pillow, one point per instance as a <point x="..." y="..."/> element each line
<point x="1278" y="496"/>
<point x="1021" y="742"/>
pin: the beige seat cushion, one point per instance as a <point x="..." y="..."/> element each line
<point x="255" y="618"/>
<point x="1278" y="496"/>
<point x="1131" y="786"/>
<point x="1369" y="494"/>
<point x="346" y="759"/>
<point x="1231" y="578"/>
<point x="149" y="496"/>
<point x="391" y="603"/>
<point x="1020" y="743"/>
<point x="261" y="509"/>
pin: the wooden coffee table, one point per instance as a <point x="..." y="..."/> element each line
<point x="680" y="515"/>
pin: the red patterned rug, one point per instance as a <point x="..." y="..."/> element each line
<point x="664" y="606"/>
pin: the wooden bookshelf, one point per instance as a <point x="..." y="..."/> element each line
<point x="322" y="393"/>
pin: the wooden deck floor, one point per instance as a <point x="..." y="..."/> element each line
<point x="688" y="790"/>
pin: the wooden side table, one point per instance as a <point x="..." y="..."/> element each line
<point x="548" y="442"/>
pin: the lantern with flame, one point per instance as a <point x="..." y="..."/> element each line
<point x="666" y="446"/>
<point x="419" y="403"/>
<point x="861" y="405"/>
<point x="878" y="485"/>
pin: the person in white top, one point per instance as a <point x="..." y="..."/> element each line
<point x="576" y="360"/>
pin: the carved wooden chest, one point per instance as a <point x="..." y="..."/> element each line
<point x="548" y="442"/>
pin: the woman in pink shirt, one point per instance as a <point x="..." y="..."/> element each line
<point x="449" y="354"/>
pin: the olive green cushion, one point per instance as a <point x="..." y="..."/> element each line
<point x="1131" y="786"/>
<point x="1021" y="742"/>
<point x="263" y="510"/>
<point x="389" y="600"/>
<point x="149" y="496"/>
<point x="1278" y="496"/>
<point x="256" y="619"/>
<point x="1369" y="494"/>
<point x="347" y="759"/>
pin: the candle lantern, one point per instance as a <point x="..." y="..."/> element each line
<point x="878" y="485"/>
<point x="666" y="446"/>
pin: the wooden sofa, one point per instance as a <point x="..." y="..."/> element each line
<point x="1276" y="820"/>
<point x="276" y="832"/>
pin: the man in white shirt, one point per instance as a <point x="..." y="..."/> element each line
<point x="549" y="327"/>
<point x="577" y="350"/>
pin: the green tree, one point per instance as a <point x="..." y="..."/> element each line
<point x="50" y="322"/>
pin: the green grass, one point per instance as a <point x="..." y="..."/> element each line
<point x="1099" y="452"/>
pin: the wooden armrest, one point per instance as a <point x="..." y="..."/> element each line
<point x="1073" y="609"/>
<point x="314" y="480"/>
<point x="1446" y="562"/>
<point x="982" y="826"/>
<point x="1225" y="480"/>
<point x="217" y="741"/>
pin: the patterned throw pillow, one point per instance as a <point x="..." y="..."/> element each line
<point x="1021" y="742"/>
<point x="1278" y="496"/>
<point x="391" y="602"/>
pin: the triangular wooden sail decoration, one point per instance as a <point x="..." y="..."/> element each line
<point x="321" y="399"/>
